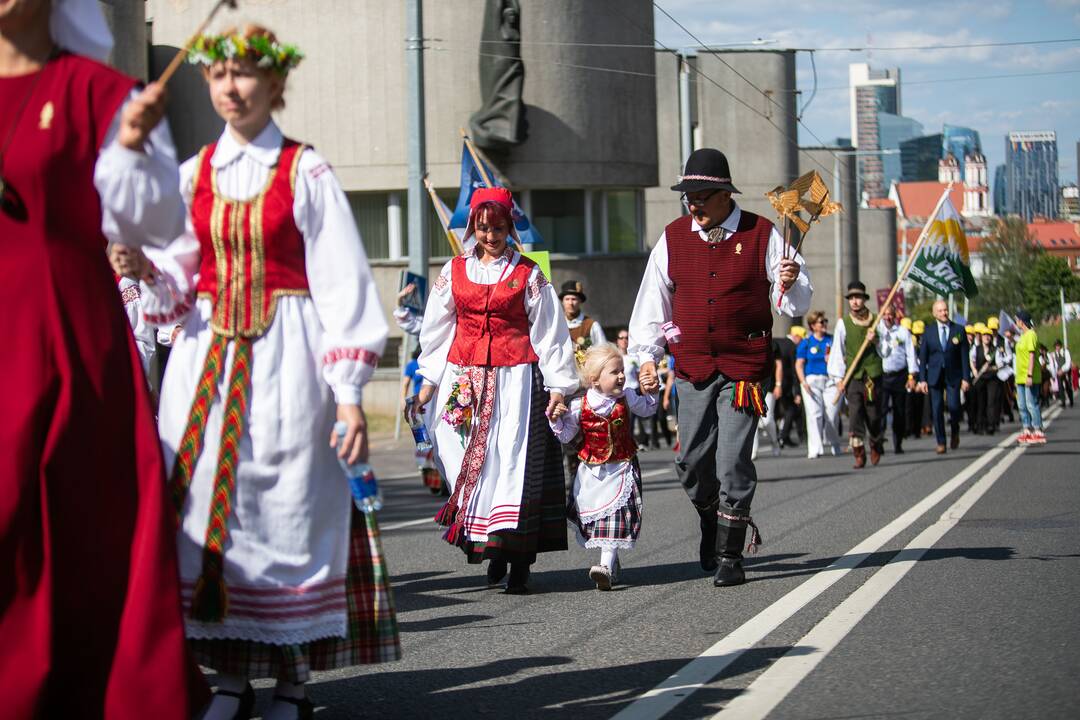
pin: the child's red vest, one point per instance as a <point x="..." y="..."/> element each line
<point x="492" y="326"/>
<point x="607" y="439"/>
<point x="721" y="301"/>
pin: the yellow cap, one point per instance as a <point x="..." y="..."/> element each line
<point x="982" y="329"/>
<point x="969" y="329"/>
<point x="905" y="322"/>
<point x="993" y="323"/>
<point x="798" y="331"/>
<point x="918" y="327"/>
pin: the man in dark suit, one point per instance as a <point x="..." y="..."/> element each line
<point x="944" y="370"/>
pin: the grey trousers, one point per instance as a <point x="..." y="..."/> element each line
<point x="716" y="442"/>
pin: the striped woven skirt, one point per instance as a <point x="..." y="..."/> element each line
<point x="542" y="519"/>
<point x="373" y="629"/>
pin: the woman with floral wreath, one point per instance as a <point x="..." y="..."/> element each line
<point x="280" y="574"/>
<point x="497" y="360"/>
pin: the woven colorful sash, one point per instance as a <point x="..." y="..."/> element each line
<point x="748" y="395"/>
<point x="210" y="600"/>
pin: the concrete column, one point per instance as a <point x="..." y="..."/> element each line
<point x="877" y="249"/>
<point x="393" y="225"/>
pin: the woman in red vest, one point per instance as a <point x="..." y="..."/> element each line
<point x="90" y="621"/>
<point x="497" y="358"/>
<point x="281" y="329"/>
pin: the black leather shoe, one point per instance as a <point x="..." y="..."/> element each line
<point x="519" y="576"/>
<point x="729" y="573"/>
<point x="707" y="547"/>
<point x="496" y="571"/>
<point x="247" y="701"/>
<point x="305" y="709"/>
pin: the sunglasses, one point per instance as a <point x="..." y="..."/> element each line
<point x="697" y="200"/>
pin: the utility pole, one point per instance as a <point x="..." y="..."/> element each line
<point x="418" y="216"/>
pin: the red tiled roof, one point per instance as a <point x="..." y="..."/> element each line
<point x="880" y="203"/>
<point x="1052" y="234"/>
<point x="917" y="199"/>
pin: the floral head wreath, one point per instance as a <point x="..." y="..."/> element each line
<point x="268" y="54"/>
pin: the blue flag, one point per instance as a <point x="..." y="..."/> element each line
<point x="472" y="179"/>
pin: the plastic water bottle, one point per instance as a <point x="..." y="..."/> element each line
<point x="419" y="430"/>
<point x="365" y="489"/>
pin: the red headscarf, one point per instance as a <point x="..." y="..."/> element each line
<point x="497" y="199"/>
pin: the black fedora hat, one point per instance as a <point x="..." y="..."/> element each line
<point x="572" y="287"/>
<point x="856" y="288"/>
<point x="706" y="169"/>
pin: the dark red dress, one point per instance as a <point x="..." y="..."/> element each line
<point x="90" y="621"/>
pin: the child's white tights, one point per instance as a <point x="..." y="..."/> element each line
<point x="608" y="557"/>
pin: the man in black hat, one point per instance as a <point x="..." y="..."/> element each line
<point x="708" y="293"/>
<point x="584" y="331"/>
<point x="864" y="390"/>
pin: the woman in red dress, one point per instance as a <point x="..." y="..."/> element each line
<point x="90" y="621"/>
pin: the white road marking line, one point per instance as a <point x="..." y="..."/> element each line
<point x="664" y="697"/>
<point x="770" y="688"/>
<point x="654" y="473"/>
<point x="407" y="523"/>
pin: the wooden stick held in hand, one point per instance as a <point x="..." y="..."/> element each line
<point x="178" y="59"/>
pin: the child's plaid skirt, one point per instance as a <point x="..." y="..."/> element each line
<point x="373" y="630"/>
<point x="619" y="530"/>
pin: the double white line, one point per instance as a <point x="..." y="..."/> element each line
<point x="772" y="686"/>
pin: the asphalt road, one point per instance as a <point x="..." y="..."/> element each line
<point x="926" y="587"/>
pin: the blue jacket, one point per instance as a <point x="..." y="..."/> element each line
<point x="950" y="361"/>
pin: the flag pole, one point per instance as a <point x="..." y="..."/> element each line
<point x="896" y="285"/>
<point x="476" y="159"/>
<point x="451" y="236"/>
<point x="182" y="53"/>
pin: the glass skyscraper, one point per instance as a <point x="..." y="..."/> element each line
<point x="919" y="158"/>
<point x="1031" y="174"/>
<point x="1000" y="195"/>
<point x="961" y="142"/>
<point x="892" y="131"/>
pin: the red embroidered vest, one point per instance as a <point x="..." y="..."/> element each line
<point x="492" y="326"/>
<point x="252" y="252"/>
<point x="607" y="439"/>
<point x="721" y="297"/>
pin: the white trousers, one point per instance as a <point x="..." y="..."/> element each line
<point x="768" y="424"/>
<point x="822" y="416"/>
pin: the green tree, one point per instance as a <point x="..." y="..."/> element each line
<point x="1042" y="281"/>
<point x="1009" y="253"/>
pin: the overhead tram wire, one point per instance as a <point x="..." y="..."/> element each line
<point x="752" y="43"/>
<point x="767" y="96"/>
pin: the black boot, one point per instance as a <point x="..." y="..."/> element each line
<point x="496" y="571"/>
<point x="707" y="547"/>
<point x="729" y="545"/>
<point x="519" y="575"/>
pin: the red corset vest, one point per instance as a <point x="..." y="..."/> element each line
<point x="607" y="439"/>
<point x="251" y="251"/>
<point x="492" y="326"/>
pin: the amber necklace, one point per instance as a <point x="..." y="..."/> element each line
<point x="9" y="199"/>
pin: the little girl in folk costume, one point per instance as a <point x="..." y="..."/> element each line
<point x="605" y="502"/>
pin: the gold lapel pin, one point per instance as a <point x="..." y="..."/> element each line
<point x="47" y="112"/>
<point x="738" y="248"/>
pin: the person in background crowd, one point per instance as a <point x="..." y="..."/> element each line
<point x="915" y="400"/>
<point x="638" y="425"/>
<point x="944" y="372"/>
<point x="90" y="620"/>
<point x="584" y="331"/>
<point x="497" y="360"/>
<point x="967" y="399"/>
<point x="1005" y="357"/>
<point x="863" y="391"/>
<point x="818" y="389"/>
<point x="771" y="390"/>
<point x="407" y="319"/>
<point x="670" y="401"/>
<point x="410" y="378"/>
<point x="1061" y="366"/>
<point x="710" y="286"/>
<point x="986" y="387"/>
<point x="789" y="402"/>
<point x="1028" y="376"/>
<point x="898" y="380"/>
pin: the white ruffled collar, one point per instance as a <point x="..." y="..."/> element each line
<point x="601" y="404"/>
<point x="264" y="149"/>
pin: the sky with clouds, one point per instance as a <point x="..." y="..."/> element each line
<point x="992" y="106"/>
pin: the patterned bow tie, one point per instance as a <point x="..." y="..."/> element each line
<point x="716" y="234"/>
